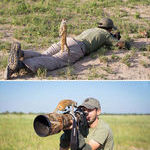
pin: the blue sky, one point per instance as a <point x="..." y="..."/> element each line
<point x="43" y="96"/>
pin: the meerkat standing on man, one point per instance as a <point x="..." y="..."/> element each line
<point x="63" y="35"/>
<point x="65" y="103"/>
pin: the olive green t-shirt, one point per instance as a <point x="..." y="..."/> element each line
<point x="102" y="134"/>
<point x="96" y="37"/>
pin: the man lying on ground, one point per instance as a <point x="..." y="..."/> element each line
<point x="88" y="41"/>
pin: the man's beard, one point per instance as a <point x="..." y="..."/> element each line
<point x="91" y="121"/>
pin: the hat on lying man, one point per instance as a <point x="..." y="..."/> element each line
<point x="106" y="23"/>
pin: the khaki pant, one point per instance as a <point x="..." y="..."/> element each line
<point x="52" y="58"/>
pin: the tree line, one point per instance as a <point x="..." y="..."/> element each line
<point x="32" y="113"/>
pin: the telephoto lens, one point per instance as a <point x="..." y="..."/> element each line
<point x="52" y="123"/>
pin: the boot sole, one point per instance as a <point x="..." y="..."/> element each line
<point x="14" y="56"/>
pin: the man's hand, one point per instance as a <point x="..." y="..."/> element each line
<point x="117" y="35"/>
<point x="121" y="44"/>
<point x="94" y="144"/>
<point x="82" y="145"/>
<point x="65" y="139"/>
<point x="70" y="127"/>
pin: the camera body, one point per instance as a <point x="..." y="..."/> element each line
<point x="116" y="35"/>
<point x="53" y="123"/>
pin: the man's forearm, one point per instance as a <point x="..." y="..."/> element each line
<point x="86" y="147"/>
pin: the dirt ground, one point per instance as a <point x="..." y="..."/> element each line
<point x="119" y="70"/>
<point x="90" y="68"/>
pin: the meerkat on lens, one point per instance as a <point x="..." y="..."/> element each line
<point x="65" y="103"/>
<point x="63" y="35"/>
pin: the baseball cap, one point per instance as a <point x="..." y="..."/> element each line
<point x="91" y="103"/>
<point x="107" y="23"/>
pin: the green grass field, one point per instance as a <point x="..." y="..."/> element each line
<point x="131" y="132"/>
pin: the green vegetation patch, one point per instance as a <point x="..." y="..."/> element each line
<point x="16" y="132"/>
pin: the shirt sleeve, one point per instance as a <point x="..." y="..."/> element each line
<point x="110" y="40"/>
<point x="100" y="135"/>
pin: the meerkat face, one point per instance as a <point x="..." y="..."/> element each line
<point x="64" y="21"/>
<point x="60" y="107"/>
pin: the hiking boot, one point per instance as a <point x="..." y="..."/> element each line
<point x="13" y="60"/>
<point x="8" y="71"/>
<point x="7" y="74"/>
<point x="14" y="56"/>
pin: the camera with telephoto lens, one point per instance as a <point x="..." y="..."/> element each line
<point x="53" y="123"/>
<point x="116" y="35"/>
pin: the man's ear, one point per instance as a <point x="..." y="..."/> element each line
<point x="98" y="111"/>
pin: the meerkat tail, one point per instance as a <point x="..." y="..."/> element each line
<point x="62" y="48"/>
<point x="67" y="49"/>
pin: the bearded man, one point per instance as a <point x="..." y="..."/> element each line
<point x="99" y="137"/>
